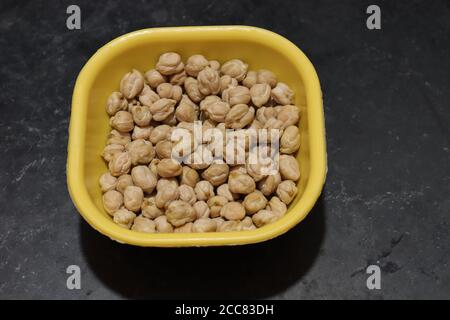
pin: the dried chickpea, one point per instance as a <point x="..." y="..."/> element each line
<point x="266" y="76"/>
<point x="141" y="132"/>
<point x="110" y="150"/>
<point x="282" y="94"/>
<point x="204" y="225"/>
<point x="169" y="63"/>
<point x="214" y="64"/>
<point x="227" y="226"/>
<point x="124" y="218"/>
<point x="250" y="79"/>
<point x="224" y="190"/>
<point x="132" y="198"/>
<point x="160" y="133"/>
<point x="144" y="178"/>
<point x="179" y="213"/>
<point x="166" y="195"/>
<point x="116" y="102"/>
<point x="255" y="201"/>
<point x="120" y="164"/>
<point x="217" y="111"/>
<point x="235" y="68"/>
<point x="208" y="81"/>
<point x="269" y="184"/>
<point x="204" y="190"/>
<point x="162" y="226"/>
<point x="162" y="109"/>
<point x="187" y="228"/>
<point x="186" y="110"/>
<point x="218" y="221"/>
<point x="215" y="204"/>
<point x="241" y="183"/>
<point x="247" y="224"/>
<point x="289" y="115"/>
<point x="236" y="95"/>
<point x="149" y="208"/>
<point x="286" y="191"/>
<point x="164" y="149"/>
<point x="122" y="121"/>
<point x="192" y="89"/>
<point x="178" y="78"/>
<point x="239" y="116"/>
<point x="195" y="64"/>
<point x="169" y="91"/>
<point x="116" y="137"/>
<point x="290" y="140"/>
<point x="154" y="78"/>
<point x="216" y="174"/>
<point x="147" y="96"/>
<point x="187" y="194"/>
<point x="263" y="217"/>
<point x="141" y="151"/>
<point x="143" y="224"/>
<point x="132" y="84"/>
<point x="226" y="82"/>
<point x="201" y="209"/>
<point x="169" y="168"/>
<point x="233" y="211"/>
<point x="289" y="168"/>
<point x="273" y="123"/>
<point x="189" y="176"/>
<point x="123" y="182"/>
<point x="163" y="182"/>
<point x="112" y="201"/>
<point x="263" y="114"/>
<point x="141" y="115"/>
<point x="277" y="206"/>
<point x="107" y="182"/>
<point x="260" y="94"/>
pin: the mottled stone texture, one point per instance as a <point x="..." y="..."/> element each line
<point x="387" y="197"/>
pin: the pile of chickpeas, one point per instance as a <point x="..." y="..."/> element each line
<point x="147" y="190"/>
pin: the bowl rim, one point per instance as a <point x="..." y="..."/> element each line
<point x="77" y="131"/>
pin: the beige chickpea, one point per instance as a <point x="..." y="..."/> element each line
<point x="227" y="226"/>
<point x="141" y="132"/>
<point x="286" y="191"/>
<point x="166" y="195"/>
<point x="208" y="81"/>
<point x="239" y="168"/>
<point x="289" y="167"/>
<point x="164" y="182"/>
<point x="263" y="217"/>
<point x="112" y="201"/>
<point x="123" y="182"/>
<point x="250" y="79"/>
<point x="153" y="166"/>
<point x="236" y="95"/>
<point x="187" y="228"/>
<point x="201" y="209"/>
<point x="233" y="211"/>
<point x="290" y="140"/>
<point x="256" y="125"/>
<point x="144" y="178"/>
<point x="110" y="150"/>
<point x="179" y="213"/>
<point x="143" y="224"/>
<point x="266" y="76"/>
<point x="141" y="151"/>
<point x="269" y="184"/>
<point x="241" y="183"/>
<point x="289" y="115"/>
<point x="187" y="194"/>
<point x="132" y="198"/>
<point x="214" y="64"/>
<point x="169" y="91"/>
<point x="273" y="123"/>
<point x="204" y="225"/>
<point x="160" y="133"/>
<point x="186" y="110"/>
<point x="116" y="102"/>
<point x="263" y="114"/>
<point x="277" y="206"/>
<point x="192" y="89"/>
<point x="218" y="221"/>
<point x="162" y="108"/>
<point x="247" y="224"/>
<point x="120" y="164"/>
<point x="226" y="82"/>
<point x="255" y="201"/>
<point x="189" y="177"/>
<point x="282" y="94"/>
<point x="195" y="64"/>
<point x="206" y="103"/>
<point x="107" y="182"/>
<point x="217" y="111"/>
<point x="260" y="94"/>
<point x="154" y="78"/>
<point x="122" y="121"/>
<point x="256" y="170"/>
<point x="141" y="115"/>
<point x="216" y="174"/>
<point x="224" y="190"/>
<point x="162" y="225"/>
<point x="149" y="208"/>
<point x="171" y="120"/>
<point x="147" y="96"/>
<point x="169" y="63"/>
<point x="132" y="84"/>
<point x="215" y="204"/>
<point x="116" y="137"/>
<point x="204" y="190"/>
<point x="124" y="218"/>
<point x="169" y="168"/>
<point x="164" y="149"/>
<point x="239" y="116"/>
<point x="178" y="79"/>
<point x="235" y="68"/>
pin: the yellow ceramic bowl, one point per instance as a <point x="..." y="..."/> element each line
<point x="140" y="50"/>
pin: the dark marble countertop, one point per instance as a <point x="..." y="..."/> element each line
<point x="387" y="196"/>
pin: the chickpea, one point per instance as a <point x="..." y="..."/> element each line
<point x="250" y="79"/>
<point x="236" y="95"/>
<point x="116" y="137"/>
<point x="143" y="224"/>
<point x="290" y="140"/>
<point x="224" y="190"/>
<point x="241" y="183"/>
<point x="289" y="115"/>
<point x="235" y="68"/>
<point x="112" y="201"/>
<point x="186" y="110"/>
<point x="263" y="114"/>
<point x="123" y="182"/>
<point x="239" y="168"/>
<point x="216" y="174"/>
<point x="164" y="182"/>
<point x="195" y="64"/>
<point x="110" y="150"/>
<point x="273" y="123"/>
<point x="142" y="115"/>
<point x="282" y="94"/>
<point x="122" y="121"/>
<point x="215" y="204"/>
<point x="239" y="116"/>
<point x="192" y="89"/>
<point x="148" y="96"/>
<point x="247" y="224"/>
<point x="266" y="76"/>
<point x="289" y="168"/>
<point x="160" y="133"/>
<point x="214" y="64"/>
<point x="177" y="79"/>
<point x="154" y="78"/>
<point x="217" y="111"/>
<point x="256" y="124"/>
<point x="144" y="178"/>
<point x="187" y="194"/>
<point x="132" y="198"/>
<point x="226" y="82"/>
<point x="162" y="108"/>
<point x="164" y="149"/>
<point x="166" y="195"/>
<point x="204" y="225"/>
<point x="227" y="226"/>
<point x="189" y="177"/>
<point x="255" y="201"/>
<point x="286" y="191"/>
<point x="263" y="217"/>
<point x="277" y="206"/>
<point x="153" y="166"/>
<point x="260" y="94"/>
<point x="169" y="91"/>
<point x="269" y="184"/>
<point x="218" y="221"/>
<point x="208" y="81"/>
<point x="179" y="213"/>
<point x="162" y="226"/>
<point x="201" y="209"/>
<point x="149" y="208"/>
<point x="204" y="190"/>
<point x="141" y="151"/>
<point x="206" y="103"/>
<point x="169" y="168"/>
<point x="124" y="218"/>
<point x="116" y="102"/>
<point x="169" y="63"/>
<point x="120" y="164"/>
<point x="107" y="182"/>
<point x="132" y="84"/>
<point x="232" y="211"/>
<point x="187" y="228"/>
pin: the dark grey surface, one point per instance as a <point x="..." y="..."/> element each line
<point x="387" y="196"/>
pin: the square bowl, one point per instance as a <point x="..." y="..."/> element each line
<point x="261" y="49"/>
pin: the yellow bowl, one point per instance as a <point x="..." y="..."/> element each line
<point x="101" y="75"/>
